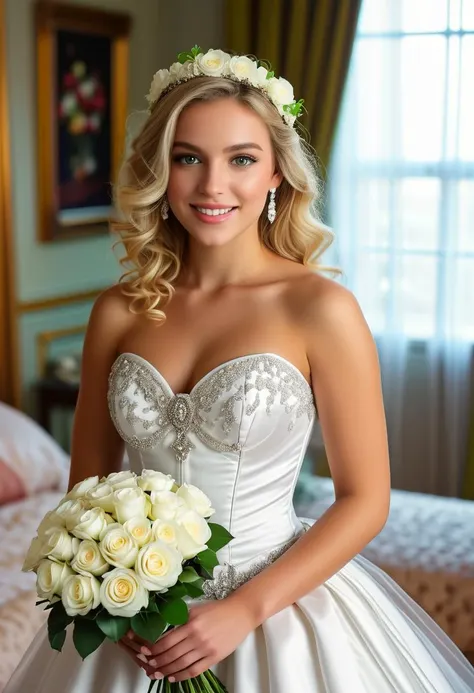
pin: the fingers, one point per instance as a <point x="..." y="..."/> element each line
<point x="132" y="640"/>
<point x="195" y="669"/>
<point x="169" y="640"/>
<point x="140" y="660"/>
<point x="170" y="656"/>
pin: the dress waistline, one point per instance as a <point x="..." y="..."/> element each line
<point x="230" y="577"/>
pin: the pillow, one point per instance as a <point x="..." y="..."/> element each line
<point x="30" y="459"/>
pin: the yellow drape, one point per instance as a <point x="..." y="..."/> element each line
<point x="309" y="43"/>
<point x="468" y="490"/>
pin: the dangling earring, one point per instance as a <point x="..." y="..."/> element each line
<point x="164" y="208"/>
<point x="271" y="212"/>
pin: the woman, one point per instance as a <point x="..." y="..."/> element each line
<point x="224" y="315"/>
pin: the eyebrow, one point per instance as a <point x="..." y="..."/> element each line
<point x="233" y="148"/>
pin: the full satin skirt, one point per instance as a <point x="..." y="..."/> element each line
<point x="359" y="632"/>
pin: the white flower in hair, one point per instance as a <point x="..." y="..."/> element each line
<point x="261" y="77"/>
<point x="244" y="68"/>
<point x="213" y="63"/>
<point x="161" y="80"/>
<point x="280" y="91"/>
<point x="239" y="68"/>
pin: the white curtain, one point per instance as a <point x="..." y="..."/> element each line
<point x="401" y="203"/>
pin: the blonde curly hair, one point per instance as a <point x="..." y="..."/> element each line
<point x="154" y="247"/>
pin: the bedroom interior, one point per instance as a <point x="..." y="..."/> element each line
<point x="47" y="290"/>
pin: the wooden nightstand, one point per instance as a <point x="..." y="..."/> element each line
<point x="54" y="393"/>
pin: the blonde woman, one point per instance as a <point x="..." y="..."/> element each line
<point x="211" y="361"/>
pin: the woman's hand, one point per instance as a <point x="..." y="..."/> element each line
<point x="213" y="631"/>
<point x="138" y="650"/>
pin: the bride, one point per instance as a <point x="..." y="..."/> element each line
<point x="223" y="313"/>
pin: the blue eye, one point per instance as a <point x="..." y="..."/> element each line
<point x="247" y="159"/>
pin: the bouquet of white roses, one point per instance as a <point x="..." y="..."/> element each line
<point x="125" y="552"/>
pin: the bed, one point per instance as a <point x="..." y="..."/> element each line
<point x="33" y="478"/>
<point x="426" y="546"/>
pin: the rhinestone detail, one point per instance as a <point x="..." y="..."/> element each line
<point x="185" y="413"/>
<point x="230" y="578"/>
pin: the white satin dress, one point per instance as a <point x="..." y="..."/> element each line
<point x="241" y="436"/>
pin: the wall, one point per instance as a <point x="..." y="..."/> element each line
<point x="46" y="273"/>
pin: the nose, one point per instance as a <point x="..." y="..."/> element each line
<point x="212" y="180"/>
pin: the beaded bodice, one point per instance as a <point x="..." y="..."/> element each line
<point x="240" y="435"/>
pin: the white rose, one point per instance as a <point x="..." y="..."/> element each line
<point x="118" y="547"/>
<point x="140" y="529"/>
<point x="165" y="505"/>
<point x="181" y="71"/>
<point x="261" y="76"/>
<point x="34" y="555"/>
<point x="125" y="479"/>
<point x="158" y="566"/>
<point x="50" y="578"/>
<point x="122" y="593"/>
<point x="90" y="524"/>
<point x="165" y="531"/>
<point x="213" y="63"/>
<point x="88" y="559"/>
<point x="128" y="503"/>
<point x="51" y="519"/>
<point x="243" y="68"/>
<point x="193" y="533"/>
<point x="58" y="543"/>
<point x="80" y="489"/>
<point x="161" y="80"/>
<point x="80" y="594"/>
<point x="71" y="511"/>
<point x="101" y="496"/>
<point x="196" y="499"/>
<point x="151" y="480"/>
<point x="280" y="91"/>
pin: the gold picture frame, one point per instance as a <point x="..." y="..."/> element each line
<point x="82" y="94"/>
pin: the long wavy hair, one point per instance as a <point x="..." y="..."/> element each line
<point x="154" y="248"/>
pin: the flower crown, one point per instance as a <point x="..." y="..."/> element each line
<point x="239" y="68"/>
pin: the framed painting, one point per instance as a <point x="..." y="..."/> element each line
<point x="82" y="93"/>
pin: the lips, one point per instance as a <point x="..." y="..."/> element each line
<point x="215" y="217"/>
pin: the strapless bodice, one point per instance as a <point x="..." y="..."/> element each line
<point x="240" y="435"/>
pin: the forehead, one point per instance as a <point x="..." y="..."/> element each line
<point x="221" y="123"/>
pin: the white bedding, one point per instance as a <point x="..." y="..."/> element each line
<point x="19" y="617"/>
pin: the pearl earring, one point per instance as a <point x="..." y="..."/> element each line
<point x="164" y="209"/>
<point x="271" y="213"/>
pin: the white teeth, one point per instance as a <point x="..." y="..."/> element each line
<point x="214" y="212"/>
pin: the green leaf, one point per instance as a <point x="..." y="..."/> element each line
<point x="194" y="590"/>
<point x="87" y="636"/>
<point x="175" y="592"/>
<point x="188" y="575"/>
<point x="148" y="626"/>
<point x="184" y="57"/>
<point x="58" y="619"/>
<point x="196" y="50"/>
<point x="207" y="559"/>
<point x="220" y="537"/>
<point x="56" y="640"/>
<point x="270" y="74"/>
<point x="114" y="627"/>
<point x="175" y="612"/>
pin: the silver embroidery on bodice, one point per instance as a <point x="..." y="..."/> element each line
<point x="185" y="413"/>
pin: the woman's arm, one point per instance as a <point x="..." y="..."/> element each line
<point x="347" y="388"/>
<point x="96" y="446"/>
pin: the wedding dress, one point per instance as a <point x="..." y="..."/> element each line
<point x="241" y="435"/>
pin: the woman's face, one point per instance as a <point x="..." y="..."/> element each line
<point x="222" y="167"/>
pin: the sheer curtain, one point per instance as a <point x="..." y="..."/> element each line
<point x="401" y="198"/>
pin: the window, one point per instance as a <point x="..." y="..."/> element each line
<point x="401" y="182"/>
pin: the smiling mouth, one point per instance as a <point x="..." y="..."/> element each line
<point x="213" y="212"/>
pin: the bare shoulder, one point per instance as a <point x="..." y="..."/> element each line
<point x="329" y="317"/>
<point x="111" y="312"/>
